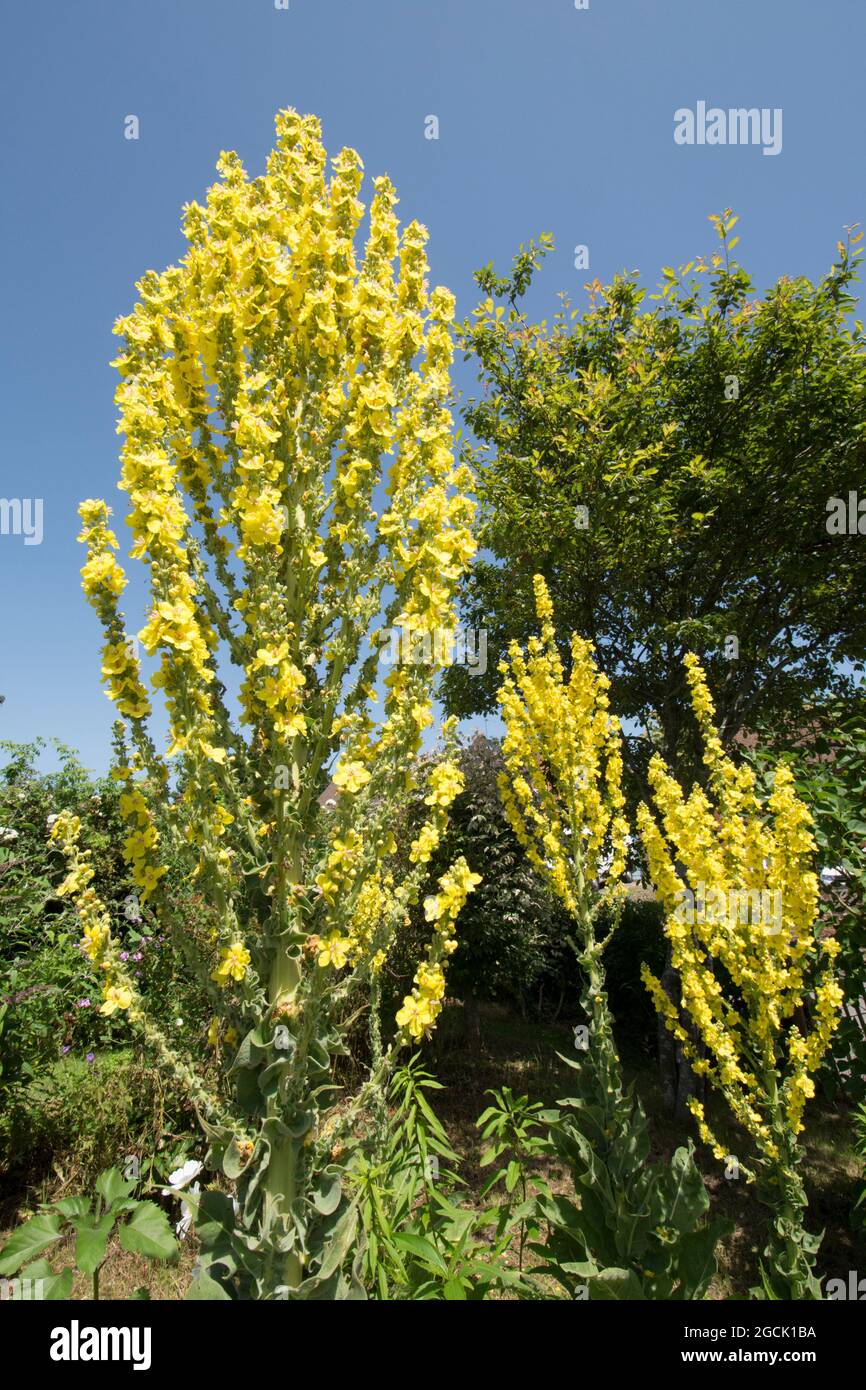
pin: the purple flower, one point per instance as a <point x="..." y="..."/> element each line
<point x="138" y="974"/>
<point x="65" y="1049"/>
<point x="91" y="1057"/>
<point x="83" y="1004"/>
<point x="137" y="955"/>
<point x="124" y="955"/>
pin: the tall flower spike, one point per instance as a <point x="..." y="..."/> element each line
<point x="562" y="785"/>
<point x="288" y="457"/>
<point x="741" y="903"/>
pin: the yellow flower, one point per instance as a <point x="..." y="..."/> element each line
<point x="233" y="963"/>
<point x="351" y="776"/>
<point x="446" y="782"/>
<point x="417" y="1016"/>
<point x="334" y="950"/>
<point x="116" y="997"/>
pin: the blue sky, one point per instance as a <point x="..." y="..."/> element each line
<point x="550" y="119"/>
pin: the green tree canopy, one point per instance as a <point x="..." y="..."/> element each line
<point x="670" y="470"/>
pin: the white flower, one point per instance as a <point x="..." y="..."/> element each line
<point x="8" y="836"/>
<point x="51" y="819"/>
<point x="181" y="1229"/>
<point x="181" y="1177"/>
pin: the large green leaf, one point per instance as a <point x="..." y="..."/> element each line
<point x="147" y="1232"/>
<point x="615" y="1284"/>
<point x="73" y="1206"/>
<point x="29" y="1241"/>
<point x="92" y="1242"/>
<point x="54" y="1287"/>
<point x="687" y="1197"/>
<point x="203" y="1287"/>
<point x="696" y="1258"/>
<point x="113" y="1187"/>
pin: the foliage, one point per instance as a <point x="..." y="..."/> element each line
<point x="48" y="1004"/>
<point x="80" y="1115"/>
<point x="704" y="438"/>
<point x="418" y="1243"/>
<point x="29" y="801"/>
<point x="858" y="1215"/>
<point x="741" y="901"/>
<point x="43" y="978"/>
<point x="512" y="1130"/>
<point x="263" y="381"/>
<point x="636" y="1228"/>
<point x="638" y="940"/>
<point x="141" y="1227"/>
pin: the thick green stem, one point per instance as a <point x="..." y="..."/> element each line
<point x="281" y="1178"/>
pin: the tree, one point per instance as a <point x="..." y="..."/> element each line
<point x="672" y="472"/>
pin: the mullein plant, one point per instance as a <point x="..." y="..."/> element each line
<point x="636" y="1228"/>
<point x="735" y="875"/>
<point x="264" y="381"/>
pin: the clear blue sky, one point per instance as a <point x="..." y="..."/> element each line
<point x="550" y="119"/>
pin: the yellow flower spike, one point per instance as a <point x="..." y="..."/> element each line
<point x="562" y="788"/>
<point x="288" y="456"/>
<point x="743" y="897"/>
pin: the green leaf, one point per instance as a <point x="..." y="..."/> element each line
<point x="29" y="1241"/>
<point x="72" y="1206"/>
<point x="148" y="1233"/>
<point x="615" y="1284"/>
<point x="203" y="1287"/>
<point x="92" y="1242"/>
<point x="326" y="1197"/>
<point x="424" y="1251"/>
<point x="113" y="1187"/>
<point x="55" y="1287"/>
<point x="696" y="1258"/>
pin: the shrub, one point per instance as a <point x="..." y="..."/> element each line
<point x="81" y="1115"/>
